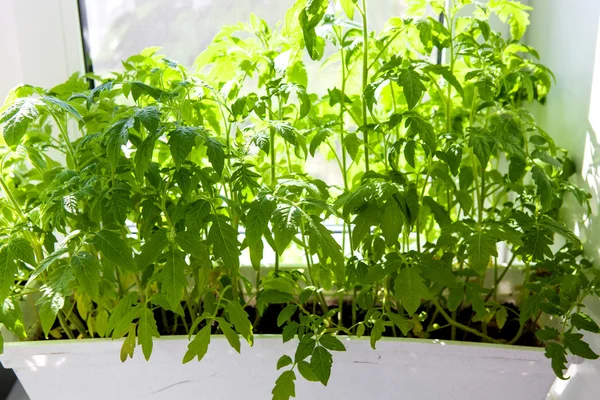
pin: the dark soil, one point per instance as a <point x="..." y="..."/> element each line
<point x="172" y="324"/>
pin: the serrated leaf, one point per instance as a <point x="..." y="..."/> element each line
<point x="181" y="141"/>
<point x="558" y="355"/>
<point x="320" y="363"/>
<point x="225" y="245"/>
<point x="16" y="119"/>
<point x="231" y="336"/>
<point x="285" y="386"/>
<point x="285" y="314"/>
<point x="412" y="86"/>
<point x="284" y="361"/>
<point x="548" y="333"/>
<point x="418" y="126"/>
<point x="117" y="135"/>
<point x="196" y="215"/>
<point x="410" y="289"/>
<point x="86" y="269"/>
<point x="173" y="279"/>
<point x="21" y="249"/>
<point x="331" y="342"/>
<point x="544" y="186"/>
<point x="191" y="244"/>
<point x="152" y="248"/>
<point x="584" y="322"/>
<point x="8" y="270"/>
<point x="146" y="330"/>
<point x="286" y="223"/>
<point x="258" y="216"/>
<point x="143" y="155"/>
<point x="128" y="346"/>
<point x="114" y="248"/>
<point x="402" y="323"/>
<point x="481" y="246"/>
<point x="239" y="318"/>
<point x="216" y="154"/>
<point x="149" y="118"/>
<point x="198" y="346"/>
<point x="574" y="343"/>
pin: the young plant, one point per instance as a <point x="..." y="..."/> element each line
<point x="127" y="207"/>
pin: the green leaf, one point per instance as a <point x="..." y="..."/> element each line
<point x="62" y="105"/>
<point x="474" y="297"/>
<point x="181" y="141"/>
<point x="21" y="249"/>
<point x="376" y="332"/>
<point x="128" y="346"/>
<point x="482" y="147"/>
<point x="149" y="117"/>
<point x="548" y="333"/>
<point x="331" y="342"/>
<point x="173" y="279"/>
<point x="49" y="305"/>
<point x="286" y="223"/>
<point x="117" y="135"/>
<point x="286" y="131"/>
<point x="146" y="330"/>
<point x="8" y="270"/>
<point x="481" y="246"/>
<point x="306" y="371"/>
<point x="198" y="346"/>
<point x="285" y="314"/>
<point x="575" y="345"/>
<point x="86" y="269"/>
<point x="391" y="225"/>
<point x="16" y="119"/>
<point x="12" y="318"/>
<point x="348" y="7"/>
<point x="410" y="289"/>
<point x="486" y="88"/>
<point x="285" y="386"/>
<point x="501" y="317"/>
<point x="413" y="87"/>
<point x="143" y="155"/>
<point x="231" y="336"/>
<point x="513" y="12"/>
<point x="558" y="355"/>
<point x="216" y="154"/>
<point x="544" y="186"/>
<point x="284" y="361"/>
<point x="191" y="244"/>
<point x="584" y="322"/>
<point x="409" y="152"/>
<point x="239" y="318"/>
<point x="196" y="215"/>
<point x="402" y="323"/>
<point x="152" y="248"/>
<point x="114" y="248"/>
<point x="321" y="362"/>
<point x="225" y="245"/>
<point x="305" y="348"/>
<point x="258" y="216"/>
<point x="47" y="262"/>
<point x="418" y="126"/>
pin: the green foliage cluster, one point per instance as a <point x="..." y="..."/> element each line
<point x="140" y="196"/>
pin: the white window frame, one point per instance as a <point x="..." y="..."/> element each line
<point x="40" y="41"/>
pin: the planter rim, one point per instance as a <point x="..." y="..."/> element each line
<point x="50" y="347"/>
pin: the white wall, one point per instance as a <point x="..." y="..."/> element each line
<point x="566" y="34"/>
<point x="40" y="42"/>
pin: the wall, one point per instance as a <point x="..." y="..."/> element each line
<point x="565" y="32"/>
<point x="40" y="42"/>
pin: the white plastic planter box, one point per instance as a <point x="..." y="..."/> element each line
<point x="398" y="369"/>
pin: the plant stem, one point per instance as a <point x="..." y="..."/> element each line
<point x="65" y="137"/>
<point x="365" y="80"/>
<point x="65" y="325"/>
<point x="499" y="279"/>
<point x="461" y="326"/>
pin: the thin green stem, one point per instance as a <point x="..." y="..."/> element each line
<point x="365" y="81"/>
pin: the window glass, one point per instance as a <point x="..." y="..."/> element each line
<point x="117" y="29"/>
